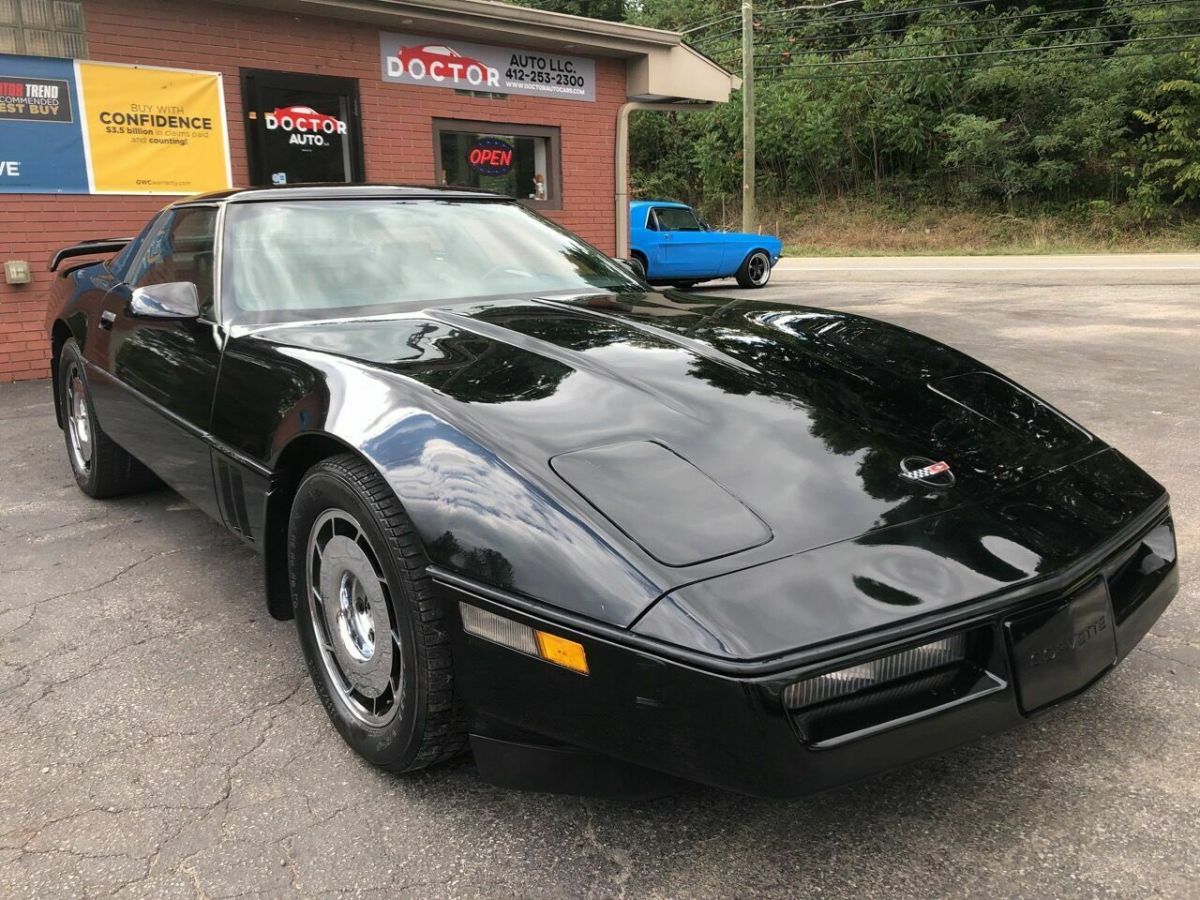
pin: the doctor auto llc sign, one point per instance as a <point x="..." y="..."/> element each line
<point x="428" y="62"/>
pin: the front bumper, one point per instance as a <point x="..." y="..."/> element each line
<point x="653" y="708"/>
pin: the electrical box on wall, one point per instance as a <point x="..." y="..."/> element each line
<point x="16" y="271"/>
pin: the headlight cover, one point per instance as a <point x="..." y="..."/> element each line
<point x="875" y="673"/>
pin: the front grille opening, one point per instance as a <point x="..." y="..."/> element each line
<point x="1136" y="577"/>
<point x="845" y="704"/>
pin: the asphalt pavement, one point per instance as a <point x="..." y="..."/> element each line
<point x="159" y="736"/>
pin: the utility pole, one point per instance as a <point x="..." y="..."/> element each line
<point x="747" y="115"/>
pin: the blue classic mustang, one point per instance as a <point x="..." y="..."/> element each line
<point x="670" y="244"/>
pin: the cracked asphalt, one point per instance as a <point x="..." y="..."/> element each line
<point x="159" y="736"/>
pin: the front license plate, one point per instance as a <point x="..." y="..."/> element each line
<point x="1062" y="649"/>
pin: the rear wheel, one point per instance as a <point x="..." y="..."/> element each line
<point x="102" y="468"/>
<point x="638" y="265"/>
<point x="755" y="270"/>
<point x="371" y="629"/>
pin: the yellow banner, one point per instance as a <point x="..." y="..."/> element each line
<point x="158" y="131"/>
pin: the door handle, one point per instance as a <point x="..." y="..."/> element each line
<point x="107" y="318"/>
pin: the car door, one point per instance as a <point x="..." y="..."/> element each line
<point x="156" y="400"/>
<point x="686" y="250"/>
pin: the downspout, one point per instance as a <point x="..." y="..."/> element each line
<point x="622" y="243"/>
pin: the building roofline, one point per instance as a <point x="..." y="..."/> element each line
<point x="660" y="66"/>
<point x="616" y="38"/>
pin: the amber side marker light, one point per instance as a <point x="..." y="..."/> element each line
<point x="562" y="652"/>
<point x="499" y="630"/>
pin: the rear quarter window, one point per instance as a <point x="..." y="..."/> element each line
<point x="119" y="264"/>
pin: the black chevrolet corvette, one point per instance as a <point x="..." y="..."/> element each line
<point x="516" y="500"/>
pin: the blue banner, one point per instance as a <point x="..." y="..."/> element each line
<point x="41" y="135"/>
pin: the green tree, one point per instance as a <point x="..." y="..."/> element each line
<point x="612" y="10"/>
<point x="1170" y="169"/>
<point x="1026" y="107"/>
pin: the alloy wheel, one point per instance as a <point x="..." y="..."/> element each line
<point x="758" y="268"/>
<point x="79" y="421"/>
<point x="353" y="618"/>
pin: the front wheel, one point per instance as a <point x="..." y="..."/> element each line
<point x="370" y="627"/>
<point x="755" y="270"/>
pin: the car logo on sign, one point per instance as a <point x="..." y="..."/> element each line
<point x="439" y="63"/>
<point x="927" y="471"/>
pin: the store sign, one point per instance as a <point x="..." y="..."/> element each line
<point x="156" y="131"/>
<point x="491" y="156"/>
<point x="33" y="99"/>
<point x="308" y="127"/>
<point x="41" y="141"/>
<point x="83" y="127"/>
<point x="420" y="60"/>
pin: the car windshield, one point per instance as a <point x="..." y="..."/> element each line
<point x="310" y="258"/>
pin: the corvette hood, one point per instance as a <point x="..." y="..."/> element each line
<point x="1018" y="541"/>
<point x="791" y="423"/>
<point x="803" y="415"/>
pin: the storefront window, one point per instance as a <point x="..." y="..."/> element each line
<point x="301" y="128"/>
<point x="520" y="161"/>
<point x="43" y="28"/>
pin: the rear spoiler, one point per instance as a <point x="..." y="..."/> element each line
<point x="86" y="248"/>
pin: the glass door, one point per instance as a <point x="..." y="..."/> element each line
<point x="301" y="128"/>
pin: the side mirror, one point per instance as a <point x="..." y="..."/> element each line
<point x="170" y="300"/>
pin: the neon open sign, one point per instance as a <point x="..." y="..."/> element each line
<point x="490" y="156"/>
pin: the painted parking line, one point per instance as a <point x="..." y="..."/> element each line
<point x="1190" y="262"/>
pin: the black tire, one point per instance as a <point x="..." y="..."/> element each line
<point x="638" y="265"/>
<point x="335" y="498"/>
<point x="755" y="270"/>
<point x="102" y="468"/>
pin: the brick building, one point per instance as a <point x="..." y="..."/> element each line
<point x="450" y="91"/>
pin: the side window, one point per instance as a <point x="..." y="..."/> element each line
<point x="179" y="248"/>
<point x="673" y="218"/>
<point x="651" y="221"/>
<point x="119" y="265"/>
